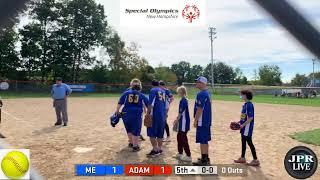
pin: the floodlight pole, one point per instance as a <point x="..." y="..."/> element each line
<point x="212" y="33"/>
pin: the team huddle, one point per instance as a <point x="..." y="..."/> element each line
<point x="135" y="104"/>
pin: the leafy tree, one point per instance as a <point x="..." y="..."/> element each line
<point x="244" y="80"/>
<point x="44" y="15"/>
<point x="270" y="75"/>
<point x="316" y="75"/>
<point x="195" y="71"/>
<point x="181" y="70"/>
<point x="9" y="61"/>
<point x="147" y="74"/>
<point x="165" y="74"/>
<point x="223" y="73"/>
<point x="86" y="26"/>
<point x="99" y="73"/>
<point x="31" y="49"/>
<point x="299" y="80"/>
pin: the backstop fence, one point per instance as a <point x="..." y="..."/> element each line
<point x="221" y="89"/>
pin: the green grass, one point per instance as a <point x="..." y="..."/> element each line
<point x="268" y="99"/>
<point x="309" y="137"/>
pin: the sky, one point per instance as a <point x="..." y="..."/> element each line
<point x="246" y="37"/>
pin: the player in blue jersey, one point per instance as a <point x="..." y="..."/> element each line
<point x="202" y="120"/>
<point x="246" y="128"/>
<point x="145" y="111"/>
<point x="157" y="110"/>
<point x="133" y="102"/>
<point x="183" y="126"/>
<point x="169" y="100"/>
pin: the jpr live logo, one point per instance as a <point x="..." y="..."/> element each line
<point x="301" y="162"/>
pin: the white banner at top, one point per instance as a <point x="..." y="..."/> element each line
<point x="165" y="13"/>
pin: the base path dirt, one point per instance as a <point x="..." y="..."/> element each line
<point x="89" y="138"/>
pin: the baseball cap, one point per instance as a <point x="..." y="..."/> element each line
<point x="202" y="80"/>
<point x="59" y="79"/>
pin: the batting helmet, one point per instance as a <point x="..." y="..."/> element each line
<point x="115" y="118"/>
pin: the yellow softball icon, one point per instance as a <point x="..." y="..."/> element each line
<point x="15" y="164"/>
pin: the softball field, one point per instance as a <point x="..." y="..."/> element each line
<point x="89" y="138"/>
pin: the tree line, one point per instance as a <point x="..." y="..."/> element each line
<point x="61" y="35"/>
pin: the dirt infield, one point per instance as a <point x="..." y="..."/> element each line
<point x="28" y="123"/>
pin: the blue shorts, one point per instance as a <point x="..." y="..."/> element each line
<point x="203" y="135"/>
<point x="157" y="128"/>
<point x="132" y="123"/>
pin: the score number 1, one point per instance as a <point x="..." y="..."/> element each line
<point x="162" y="170"/>
<point x="114" y="170"/>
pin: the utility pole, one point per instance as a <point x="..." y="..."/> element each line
<point x="313" y="79"/>
<point x="212" y="36"/>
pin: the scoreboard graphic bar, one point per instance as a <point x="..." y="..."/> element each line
<point x="157" y="170"/>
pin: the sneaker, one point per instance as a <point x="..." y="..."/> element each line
<point x="152" y="153"/>
<point x="142" y="138"/>
<point x="168" y="139"/>
<point x="57" y="123"/>
<point x="130" y="145"/>
<point x="202" y="162"/>
<point x="65" y="124"/>
<point x="2" y="136"/>
<point x="136" y="148"/>
<point x="240" y="160"/>
<point x="177" y="156"/>
<point x="186" y="158"/>
<point x="158" y="153"/>
<point x="254" y="163"/>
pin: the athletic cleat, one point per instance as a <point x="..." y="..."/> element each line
<point x="202" y="162"/>
<point x="240" y="160"/>
<point x="57" y="124"/>
<point x="136" y="148"/>
<point x="130" y="145"/>
<point x="159" y="152"/>
<point x="186" y="158"/>
<point x="254" y="163"/>
<point x="152" y="154"/>
<point x="65" y="124"/>
<point x="142" y="138"/>
<point x="177" y="156"/>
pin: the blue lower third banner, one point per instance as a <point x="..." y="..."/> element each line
<point x="82" y="87"/>
<point x="98" y="170"/>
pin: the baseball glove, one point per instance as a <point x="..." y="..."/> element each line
<point x="148" y="120"/>
<point x="234" y="126"/>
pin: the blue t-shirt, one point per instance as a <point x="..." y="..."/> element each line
<point x="133" y="101"/>
<point x="168" y="97"/>
<point x="204" y="101"/>
<point x="247" y="112"/>
<point x="60" y="91"/>
<point x="157" y="98"/>
<point x="184" y="121"/>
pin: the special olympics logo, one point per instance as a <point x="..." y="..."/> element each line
<point x="190" y="13"/>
